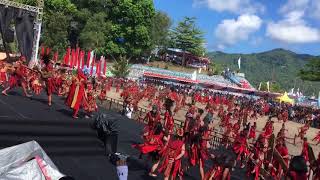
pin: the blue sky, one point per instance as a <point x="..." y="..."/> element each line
<point x="248" y="26"/>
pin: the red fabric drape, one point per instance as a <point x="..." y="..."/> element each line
<point x="82" y="59"/>
<point x="98" y="68"/>
<point x="42" y="51"/>
<point x="67" y="56"/>
<point x="77" y="57"/>
<point x="48" y="51"/>
<point x="74" y="60"/>
<point x="105" y="66"/>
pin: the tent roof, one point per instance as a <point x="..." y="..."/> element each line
<point x="285" y="98"/>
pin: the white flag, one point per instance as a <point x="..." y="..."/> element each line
<point x="239" y="62"/>
<point x="91" y="58"/>
<point x="259" y="86"/>
<point x="292" y="91"/>
<point x="102" y="62"/>
<point x="194" y="76"/>
<point x="268" y="86"/>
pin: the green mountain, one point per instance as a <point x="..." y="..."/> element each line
<point x="279" y="65"/>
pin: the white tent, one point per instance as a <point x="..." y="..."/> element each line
<point x="27" y="161"/>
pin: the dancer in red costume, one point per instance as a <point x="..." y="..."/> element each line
<point x="221" y="168"/>
<point x="153" y="142"/>
<point x="283" y="150"/>
<point x="3" y="73"/>
<point x="285" y="115"/>
<point x="281" y="136"/>
<point x="256" y="161"/>
<point x="90" y="104"/>
<point x="235" y="129"/>
<point x="187" y="126"/>
<point x="305" y="150"/>
<point x="168" y="116"/>
<point x="241" y="147"/>
<point x="76" y="93"/>
<point x="36" y="83"/>
<point x="153" y="117"/>
<point x="48" y="76"/>
<point x="171" y="157"/>
<point x="18" y="77"/>
<point x="317" y="138"/>
<point x="103" y="91"/>
<point x="302" y="132"/>
<point x="252" y="132"/>
<point x="268" y="129"/>
<point x="199" y="148"/>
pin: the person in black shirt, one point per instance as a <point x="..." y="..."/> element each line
<point x="108" y="129"/>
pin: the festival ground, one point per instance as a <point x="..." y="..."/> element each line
<point x="72" y="144"/>
<point x="291" y="126"/>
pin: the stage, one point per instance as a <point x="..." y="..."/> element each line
<point x="72" y="144"/>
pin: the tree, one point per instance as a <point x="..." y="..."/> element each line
<point x="274" y="87"/>
<point x="311" y="71"/>
<point x="215" y="68"/>
<point x="55" y="33"/>
<point x="160" y="29"/>
<point x="187" y="37"/>
<point x="117" y="28"/>
<point x="94" y="34"/>
<point x="56" y="23"/>
<point x="130" y="34"/>
<point x="121" y="67"/>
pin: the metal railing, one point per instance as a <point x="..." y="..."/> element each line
<point x="138" y="115"/>
<point x="117" y="105"/>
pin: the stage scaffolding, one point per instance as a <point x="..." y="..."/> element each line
<point x="38" y="10"/>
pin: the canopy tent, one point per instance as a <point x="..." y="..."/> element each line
<point x="285" y="98"/>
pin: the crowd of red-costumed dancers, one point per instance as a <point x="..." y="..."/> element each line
<point x="175" y="150"/>
<point x="173" y="153"/>
<point x="76" y="87"/>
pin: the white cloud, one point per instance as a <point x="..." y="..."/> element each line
<point x="311" y="8"/>
<point x="294" y="5"/>
<point x="293" y="30"/>
<point x="230" y="31"/>
<point x="234" y="6"/>
<point x="315" y="9"/>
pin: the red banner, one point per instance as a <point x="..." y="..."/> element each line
<point x="88" y="59"/>
<point x="104" y="66"/>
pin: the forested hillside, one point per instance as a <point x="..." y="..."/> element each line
<point x="278" y="65"/>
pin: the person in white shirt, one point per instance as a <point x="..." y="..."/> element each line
<point x="129" y="110"/>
